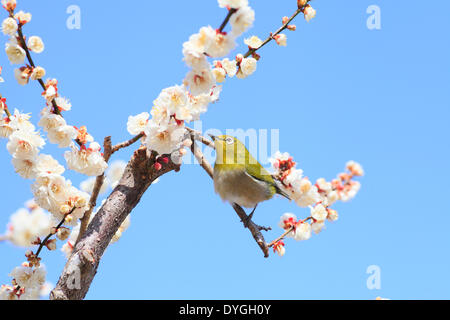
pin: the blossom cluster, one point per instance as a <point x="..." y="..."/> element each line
<point x="27" y="284"/>
<point x="51" y="190"/>
<point x="28" y="223"/>
<point x="164" y="126"/>
<point x="83" y="159"/>
<point x="318" y="197"/>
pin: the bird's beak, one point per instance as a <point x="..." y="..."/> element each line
<point x="212" y="137"/>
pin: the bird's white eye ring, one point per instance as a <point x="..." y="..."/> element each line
<point x="229" y="141"/>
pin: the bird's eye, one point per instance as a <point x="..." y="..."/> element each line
<point x="229" y="141"/>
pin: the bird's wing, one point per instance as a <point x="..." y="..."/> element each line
<point x="257" y="171"/>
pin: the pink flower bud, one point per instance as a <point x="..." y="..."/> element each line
<point x="157" y="166"/>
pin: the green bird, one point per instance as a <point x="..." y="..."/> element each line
<point x="239" y="178"/>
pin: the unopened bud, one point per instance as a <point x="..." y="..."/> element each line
<point x="292" y="27"/>
<point x="51" y="244"/>
<point x="332" y="215"/>
<point x="36" y="241"/>
<point x="69" y="218"/>
<point x="38" y="73"/>
<point x="65" y="209"/>
<point x="157" y="166"/>
<point x="80" y="203"/>
<point x="63" y="233"/>
<point x="301" y="3"/>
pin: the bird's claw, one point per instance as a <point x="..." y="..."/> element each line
<point x="248" y="220"/>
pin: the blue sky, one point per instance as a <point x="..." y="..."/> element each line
<point x="337" y="92"/>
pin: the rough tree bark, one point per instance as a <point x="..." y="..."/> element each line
<point x="82" y="265"/>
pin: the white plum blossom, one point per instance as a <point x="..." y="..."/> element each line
<point x="8" y="293"/>
<point x="219" y="74"/>
<point x="160" y="117"/>
<point x="355" y="168"/>
<point x="23" y="17"/>
<point x="319" y="213"/>
<point x="22" y="76"/>
<point x="318" y="226"/>
<point x="16" y="54"/>
<point x="167" y="141"/>
<point x="200" y="81"/>
<point x="287" y="221"/>
<point x="253" y="42"/>
<point x="9" y="5"/>
<point x="5" y="128"/>
<point x="24" y="144"/>
<point x="281" y="39"/>
<point x="25" y="167"/>
<point x="62" y="103"/>
<point x="50" y="121"/>
<point x="175" y="100"/>
<point x="9" y="26"/>
<point x="230" y="66"/>
<point x="137" y="124"/>
<point x="28" y="277"/>
<point x="221" y="45"/>
<point x="63" y="136"/>
<point x="201" y="41"/>
<point x="25" y="225"/>
<point x="194" y="56"/>
<point x="35" y="44"/>
<point x="37" y="73"/>
<point x="235" y="4"/>
<point x="242" y="20"/>
<point x="303" y="232"/>
<point x="88" y="161"/>
<point x="247" y="67"/>
<point x="310" y="13"/>
<point x="50" y="192"/>
<point x="47" y="165"/>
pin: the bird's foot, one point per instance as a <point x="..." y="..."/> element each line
<point x="248" y="220"/>
<point x="261" y="228"/>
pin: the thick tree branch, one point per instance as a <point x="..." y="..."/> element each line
<point x="108" y="152"/>
<point x="82" y="265"/>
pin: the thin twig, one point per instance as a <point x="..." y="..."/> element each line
<point x="198" y="136"/>
<point x="286" y="233"/>
<point x="281" y="29"/>
<point x="227" y="19"/>
<point x="31" y="62"/>
<point x="43" y="242"/>
<point x="125" y="144"/>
